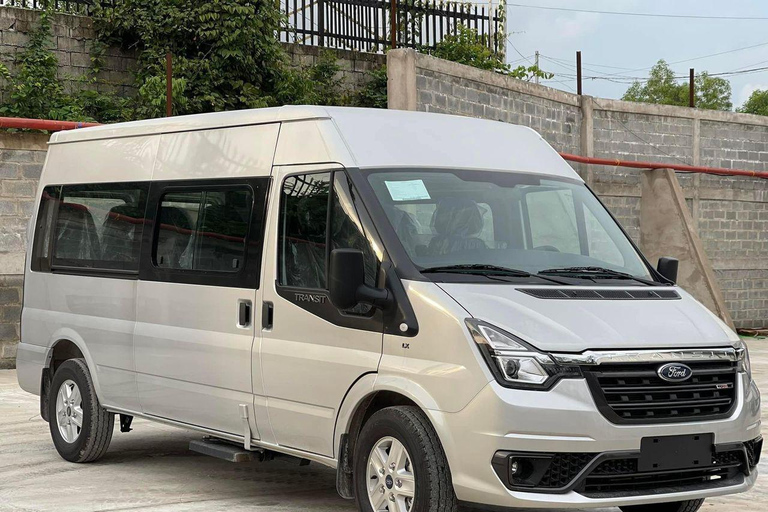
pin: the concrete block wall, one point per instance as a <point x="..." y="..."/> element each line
<point x="73" y="38"/>
<point x="730" y="213"/>
<point x="355" y="66"/>
<point x="21" y="161"/>
<point x="72" y="43"/>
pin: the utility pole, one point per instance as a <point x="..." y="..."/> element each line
<point x="691" y="90"/>
<point x="168" y="85"/>
<point x="537" y="67"/>
<point x="491" y="27"/>
<point x="578" y="73"/>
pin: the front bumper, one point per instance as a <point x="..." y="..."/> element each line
<point x="566" y="420"/>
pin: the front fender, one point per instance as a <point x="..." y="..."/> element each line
<point x="369" y="385"/>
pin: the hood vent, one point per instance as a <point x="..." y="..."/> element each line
<point x="600" y="294"/>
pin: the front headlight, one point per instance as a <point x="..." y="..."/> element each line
<point x="742" y="358"/>
<point x="514" y="363"/>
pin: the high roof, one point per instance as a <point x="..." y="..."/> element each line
<point x="377" y="137"/>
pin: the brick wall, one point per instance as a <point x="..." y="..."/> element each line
<point x="730" y="213"/>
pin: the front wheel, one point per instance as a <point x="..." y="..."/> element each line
<point x="81" y="429"/>
<point x="678" y="506"/>
<point x="400" y="466"/>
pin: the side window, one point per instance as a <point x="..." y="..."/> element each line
<point x="303" y="222"/>
<point x="97" y="226"/>
<point x="346" y="230"/>
<point x="306" y="238"/>
<point x="203" y="230"/>
<point x="552" y="218"/>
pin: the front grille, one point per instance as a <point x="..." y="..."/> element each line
<point x="634" y="393"/>
<point x="564" y="468"/>
<point x="621" y="476"/>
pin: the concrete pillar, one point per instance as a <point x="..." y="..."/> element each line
<point x="401" y="79"/>
<point x="696" y="200"/>
<point x="667" y="229"/>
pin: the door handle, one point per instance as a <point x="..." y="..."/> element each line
<point x="267" y="314"/>
<point x="244" y="313"/>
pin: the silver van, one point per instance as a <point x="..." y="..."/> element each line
<point x="438" y="307"/>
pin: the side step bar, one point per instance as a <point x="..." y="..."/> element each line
<point x="233" y="452"/>
<point x="224" y="450"/>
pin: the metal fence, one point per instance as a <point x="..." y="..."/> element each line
<point x="84" y="7"/>
<point x="365" y="25"/>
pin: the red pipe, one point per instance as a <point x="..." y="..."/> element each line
<point x="54" y="126"/>
<point x="659" y="165"/>
<point x="41" y="124"/>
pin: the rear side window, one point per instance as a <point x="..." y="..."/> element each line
<point x="203" y="230"/>
<point x="95" y="226"/>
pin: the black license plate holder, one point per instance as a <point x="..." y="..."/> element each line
<point x="668" y="453"/>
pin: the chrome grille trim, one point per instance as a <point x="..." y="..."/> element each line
<point x="595" y="358"/>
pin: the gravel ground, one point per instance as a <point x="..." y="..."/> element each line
<point x="151" y="469"/>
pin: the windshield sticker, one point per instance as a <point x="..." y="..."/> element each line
<point x="410" y="190"/>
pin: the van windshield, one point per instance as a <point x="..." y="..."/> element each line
<point x="452" y="219"/>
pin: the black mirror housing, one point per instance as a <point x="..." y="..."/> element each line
<point x="346" y="281"/>
<point x="667" y="267"/>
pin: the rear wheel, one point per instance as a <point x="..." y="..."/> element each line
<point x="678" y="506"/>
<point x="81" y="429"/>
<point x="399" y="465"/>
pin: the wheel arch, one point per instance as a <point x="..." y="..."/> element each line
<point x="369" y="394"/>
<point x="66" y="344"/>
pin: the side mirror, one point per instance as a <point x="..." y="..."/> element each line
<point x="667" y="267"/>
<point x="346" y="281"/>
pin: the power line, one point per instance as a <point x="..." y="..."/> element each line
<point x="516" y="50"/>
<point x="641" y="14"/>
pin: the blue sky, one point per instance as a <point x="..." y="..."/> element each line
<point x="639" y="42"/>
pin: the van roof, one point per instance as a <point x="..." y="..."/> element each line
<point x="377" y="137"/>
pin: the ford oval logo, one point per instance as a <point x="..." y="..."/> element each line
<point x="675" y="372"/>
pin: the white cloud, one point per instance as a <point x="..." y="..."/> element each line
<point x="746" y="91"/>
<point x="579" y="25"/>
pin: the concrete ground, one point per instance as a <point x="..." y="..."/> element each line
<point x="151" y="469"/>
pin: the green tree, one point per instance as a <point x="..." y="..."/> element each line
<point x="756" y="104"/>
<point x="466" y="46"/>
<point x="225" y="55"/>
<point x="34" y="90"/>
<point x="712" y="93"/>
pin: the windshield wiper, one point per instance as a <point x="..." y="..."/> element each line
<point x="589" y="272"/>
<point x="488" y="270"/>
<point x="477" y="268"/>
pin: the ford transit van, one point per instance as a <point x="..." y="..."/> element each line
<point x="436" y="306"/>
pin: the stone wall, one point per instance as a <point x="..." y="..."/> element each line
<point x="730" y="213"/>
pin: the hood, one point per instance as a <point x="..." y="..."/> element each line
<point x="575" y="325"/>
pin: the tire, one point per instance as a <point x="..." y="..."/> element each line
<point x="425" y="474"/>
<point x="678" y="506"/>
<point x="88" y="442"/>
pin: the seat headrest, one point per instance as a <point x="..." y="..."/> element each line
<point x="457" y="216"/>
